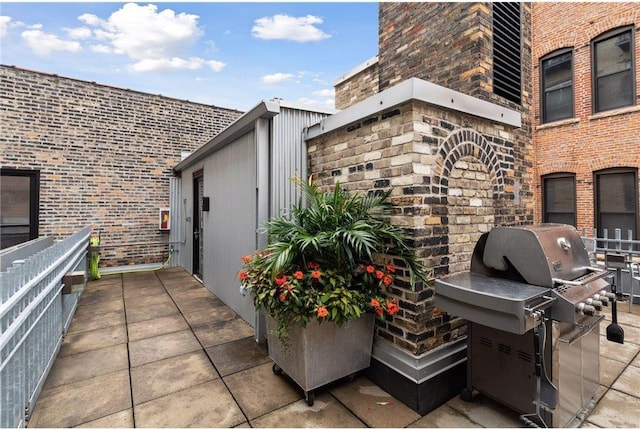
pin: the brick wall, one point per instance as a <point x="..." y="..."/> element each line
<point x="452" y="177"/>
<point x="590" y="142"/>
<point x="357" y="87"/>
<point x="105" y="156"/>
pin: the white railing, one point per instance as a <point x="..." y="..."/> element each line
<point x="32" y="323"/>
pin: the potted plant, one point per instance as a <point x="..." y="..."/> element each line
<point x="323" y="277"/>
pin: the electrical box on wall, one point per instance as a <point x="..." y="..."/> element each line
<point x="205" y="204"/>
<point x="163" y="220"/>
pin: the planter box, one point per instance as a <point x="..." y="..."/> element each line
<point x="321" y="353"/>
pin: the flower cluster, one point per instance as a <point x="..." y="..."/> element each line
<point x="309" y="291"/>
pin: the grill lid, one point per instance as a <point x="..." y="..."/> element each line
<point x="537" y="253"/>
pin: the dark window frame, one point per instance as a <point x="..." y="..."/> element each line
<point x="564" y="175"/>
<point x="34" y="196"/>
<point x="597" y="221"/>
<point x="594" y="67"/>
<point x="543" y="89"/>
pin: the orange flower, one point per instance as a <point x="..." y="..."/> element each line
<point x="379" y="311"/>
<point x="387" y="280"/>
<point x="392" y="307"/>
<point x="281" y="280"/>
<point x="316" y="274"/>
<point x="246" y="258"/>
<point x="375" y="303"/>
<point x="379" y="275"/>
<point x="370" y="269"/>
<point x="391" y="268"/>
<point x="242" y="275"/>
<point x="298" y="275"/>
<point x="283" y="297"/>
<point x="313" y="265"/>
<point x="322" y="312"/>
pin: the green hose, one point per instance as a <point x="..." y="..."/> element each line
<point x="94" y="257"/>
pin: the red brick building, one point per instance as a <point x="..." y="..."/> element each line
<point x="586" y="134"/>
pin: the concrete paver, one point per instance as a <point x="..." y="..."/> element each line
<point x="193" y="362"/>
<point x="162" y="347"/>
<point x="93" y="340"/>
<point x="155" y="327"/>
<point x="84" y="401"/>
<point x="205" y="405"/>
<point x="326" y="412"/>
<point x="373" y="405"/>
<point x="160" y="378"/>
<point x="275" y="391"/>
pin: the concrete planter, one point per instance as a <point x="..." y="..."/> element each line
<point x="322" y="352"/>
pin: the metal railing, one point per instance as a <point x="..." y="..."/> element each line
<point x="32" y="323"/>
<point x="600" y="247"/>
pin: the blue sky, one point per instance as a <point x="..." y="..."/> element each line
<point x="227" y="54"/>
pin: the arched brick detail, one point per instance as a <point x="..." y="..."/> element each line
<point x="468" y="142"/>
<point x="568" y="41"/>
<point x="610" y="23"/>
<point x="558" y="166"/>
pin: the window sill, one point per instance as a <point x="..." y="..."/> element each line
<point x="614" y="112"/>
<point x="557" y="124"/>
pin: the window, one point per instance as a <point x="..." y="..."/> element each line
<point x="613" y="70"/>
<point x="617" y="200"/>
<point x="559" y="198"/>
<point x="507" y="68"/>
<point x="19" y="202"/>
<point x="557" y="86"/>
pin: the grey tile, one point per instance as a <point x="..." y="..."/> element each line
<point x="82" y="402"/>
<point x="80" y="366"/>
<point x="259" y="391"/>
<point x="616" y="409"/>
<point x="223" y="332"/>
<point x="629" y="381"/>
<point x="237" y="355"/>
<point x="144" y="291"/>
<point x="210" y="316"/>
<point x="90" y="322"/>
<point x="162" y="347"/>
<point x="121" y="419"/>
<point x="115" y="305"/>
<point x="485" y="412"/>
<point x="373" y="405"/>
<point x="198" y="304"/>
<point x="155" y="327"/>
<point x="624" y="353"/>
<point x="171" y="375"/>
<point x="326" y="412"/>
<point x="92" y="340"/>
<point x="98" y="297"/>
<point x="139" y="314"/>
<point x="205" y="405"/>
<point x="610" y="369"/>
<point x="444" y="417"/>
<point x="190" y="292"/>
<point x="148" y="300"/>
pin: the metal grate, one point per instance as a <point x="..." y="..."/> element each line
<point x="507" y="67"/>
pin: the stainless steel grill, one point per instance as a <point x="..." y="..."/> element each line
<point x="533" y="305"/>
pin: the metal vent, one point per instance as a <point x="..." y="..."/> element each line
<point x="525" y="356"/>
<point x="503" y="348"/>
<point x="507" y="64"/>
<point x="486" y="342"/>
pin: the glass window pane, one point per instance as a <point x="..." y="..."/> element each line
<point x="557" y="70"/>
<point x="617" y="193"/>
<point x="566" y="218"/>
<point x="558" y="104"/>
<point x="615" y="91"/>
<point x="614" y="54"/>
<point x="15" y="200"/>
<point x="560" y="200"/>
<point x="557" y="81"/>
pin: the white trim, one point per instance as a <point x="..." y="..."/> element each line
<point x="418" y="90"/>
<point x="357" y="69"/>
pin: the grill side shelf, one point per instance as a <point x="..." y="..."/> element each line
<point x="494" y="302"/>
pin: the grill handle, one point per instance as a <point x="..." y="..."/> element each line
<point x="595" y="273"/>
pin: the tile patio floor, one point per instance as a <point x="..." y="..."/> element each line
<point x="157" y="349"/>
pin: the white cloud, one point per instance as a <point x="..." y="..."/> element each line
<point x="285" y="27"/>
<point x="170" y="64"/>
<point x="324" y="93"/>
<point x="44" y="44"/>
<point x="101" y="49"/>
<point x="4" y="25"/>
<point x="312" y="102"/>
<point x="78" y="33"/>
<point x="276" y="78"/>
<point x="155" y="40"/>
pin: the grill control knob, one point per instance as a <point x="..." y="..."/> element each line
<point x="587" y="310"/>
<point x="602" y="298"/>
<point x="597" y="304"/>
<point x="611" y="296"/>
